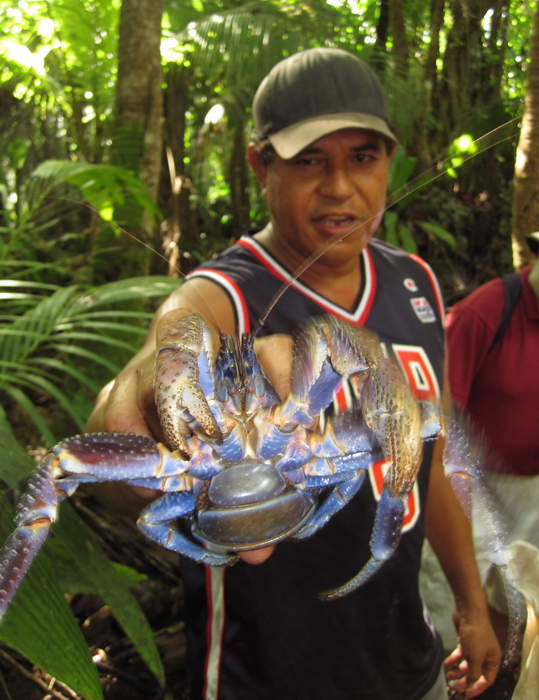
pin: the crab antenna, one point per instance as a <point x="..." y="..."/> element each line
<point x="211" y="314"/>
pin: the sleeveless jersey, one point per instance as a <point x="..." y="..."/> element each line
<point x="261" y="632"/>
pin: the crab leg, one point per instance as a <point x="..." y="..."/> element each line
<point x="35" y="514"/>
<point x="84" y="458"/>
<point x="384" y="541"/>
<point x="158" y="522"/>
<point x="328" y="351"/>
<point x="463" y="457"/>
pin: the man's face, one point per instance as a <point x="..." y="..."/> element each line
<point x="335" y="186"/>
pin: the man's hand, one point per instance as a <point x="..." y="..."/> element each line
<point x="473" y="666"/>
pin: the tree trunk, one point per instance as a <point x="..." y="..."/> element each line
<point x="382" y="27"/>
<point x="525" y="209"/>
<point x="181" y="225"/>
<point x="138" y="139"/>
<point x="238" y="178"/>
<point x="398" y="34"/>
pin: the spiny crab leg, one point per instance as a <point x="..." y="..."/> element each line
<point x="394" y="416"/>
<point x="464" y="455"/>
<point x="94" y="457"/>
<point x="35" y="514"/>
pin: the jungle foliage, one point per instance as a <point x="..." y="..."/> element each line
<point x="453" y="71"/>
<point x="91" y="201"/>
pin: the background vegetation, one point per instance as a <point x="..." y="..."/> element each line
<point x="123" y="130"/>
<point x="454" y="72"/>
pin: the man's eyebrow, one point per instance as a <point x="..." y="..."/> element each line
<point x="374" y="145"/>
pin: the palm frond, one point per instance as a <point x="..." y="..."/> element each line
<point x="46" y="342"/>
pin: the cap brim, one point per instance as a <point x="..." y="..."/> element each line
<point x="290" y="141"/>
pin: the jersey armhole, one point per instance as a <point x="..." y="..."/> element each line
<point x="234" y="293"/>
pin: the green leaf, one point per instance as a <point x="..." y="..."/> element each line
<point x="125" y="290"/>
<point x="74" y="579"/>
<point x="82" y="378"/>
<point x="390" y="226"/>
<point x="14" y="461"/>
<point x="27" y="405"/>
<point x="438" y="231"/>
<point x="102" y="186"/>
<point x="58" y="394"/>
<point x="400" y="169"/>
<point x="407" y="239"/>
<point x="96" y="338"/>
<point x="39" y="612"/>
<point x="88" y="355"/>
<point x="112" y="587"/>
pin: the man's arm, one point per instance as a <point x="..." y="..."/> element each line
<point x="473" y="666"/>
<point x="127" y="404"/>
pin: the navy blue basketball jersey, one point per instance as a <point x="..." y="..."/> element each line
<point x="261" y="632"/>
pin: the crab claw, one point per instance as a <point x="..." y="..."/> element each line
<point x="184" y="381"/>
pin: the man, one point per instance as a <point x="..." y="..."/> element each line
<point x="322" y="159"/>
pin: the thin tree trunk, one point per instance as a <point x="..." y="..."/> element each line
<point x="379" y="58"/>
<point x="398" y="33"/>
<point x="525" y="210"/>
<point x="138" y="137"/>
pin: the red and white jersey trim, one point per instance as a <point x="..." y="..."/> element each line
<point x="235" y="293"/>
<point x="354" y="318"/>
<point x="433" y="282"/>
<point x="215" y="576"/>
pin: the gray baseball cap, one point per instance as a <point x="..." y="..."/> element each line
<point x="314" y="93"/>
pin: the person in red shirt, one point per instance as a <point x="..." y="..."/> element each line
<point x="498" y="386"/>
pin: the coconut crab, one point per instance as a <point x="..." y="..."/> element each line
<point x="243" y="470"/>
<point x="249" y="469"/>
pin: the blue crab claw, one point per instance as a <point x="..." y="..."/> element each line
<point x="185" y="381"/>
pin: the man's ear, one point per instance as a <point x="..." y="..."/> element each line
<point x="259" y="169"/>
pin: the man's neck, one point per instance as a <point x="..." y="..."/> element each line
<point x="338" y="283"/>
